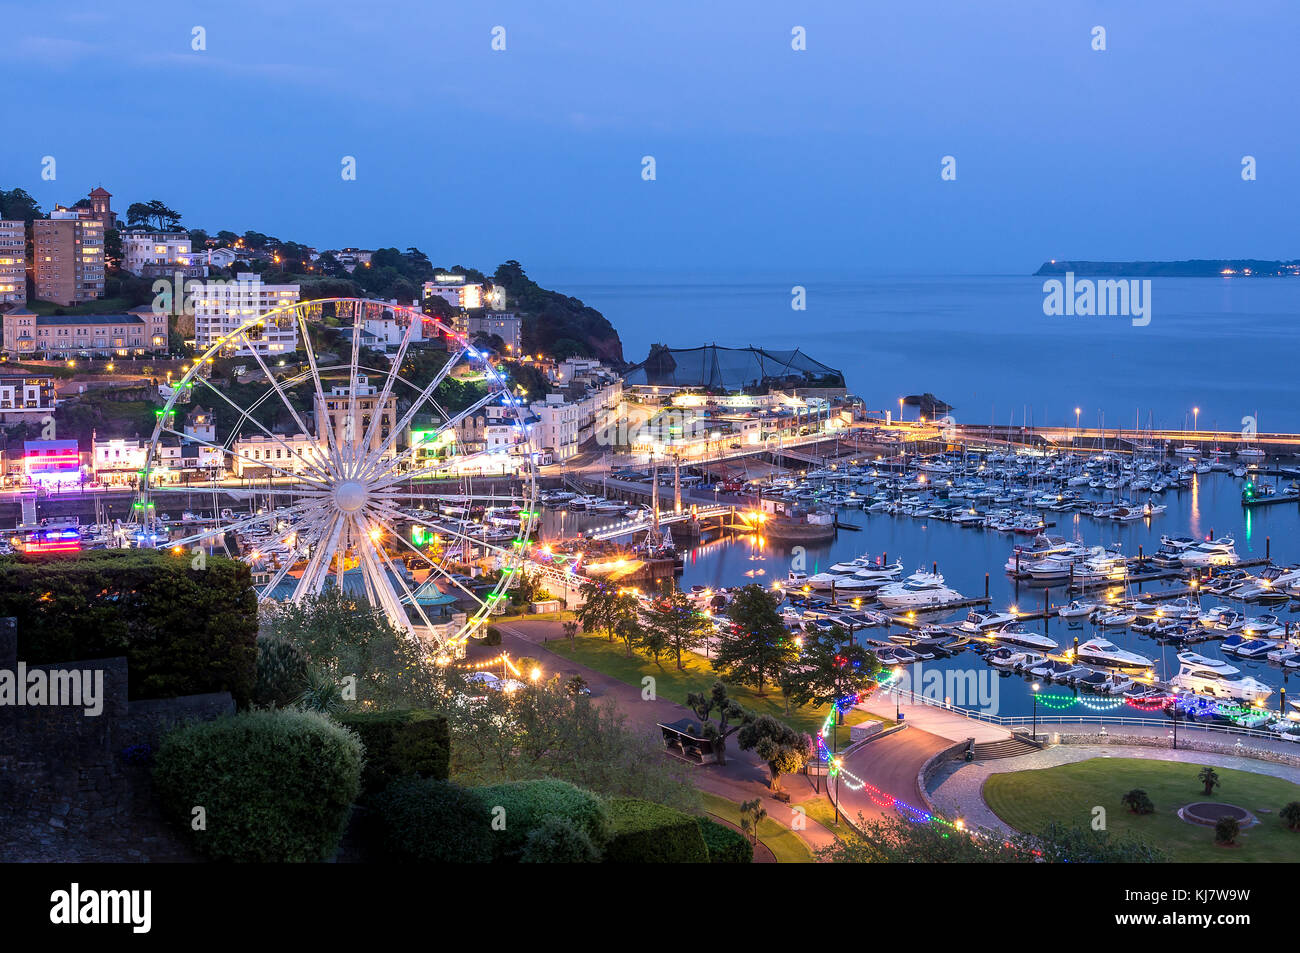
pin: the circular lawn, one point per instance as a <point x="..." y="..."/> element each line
<point x="1068" y="794"/>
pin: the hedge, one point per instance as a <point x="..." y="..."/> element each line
<point x="183" y="631"/>
<point x="648" y="833"/>
<point x="519" y="807"/>
<point x="725" y="845"/>
<point x="422" y="820"/>
<point x="558" y="840"/>
<point x="400" y="743"/>
<point x="275" y="786"/>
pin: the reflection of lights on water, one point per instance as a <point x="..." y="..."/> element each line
<point x="1249" y="522"/>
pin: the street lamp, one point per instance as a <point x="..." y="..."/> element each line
<point x="1035" y="728"/>
<point x="898" y="674"/>
<point x="1196" y="412"/>
<point x="838" y="763"/>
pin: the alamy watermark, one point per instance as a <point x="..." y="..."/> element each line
<point x="1085" y="297"/>
<point x="971" y="688"/>
<point x="66" y="688"/>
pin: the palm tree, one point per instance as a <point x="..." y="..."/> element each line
<point x="1138" y="801"/>
<point x="1210" y="778"/>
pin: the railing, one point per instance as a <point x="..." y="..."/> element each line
<point x="1184" y="724"/>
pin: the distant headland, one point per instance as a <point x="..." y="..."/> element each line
<point x="1195" y="268"/>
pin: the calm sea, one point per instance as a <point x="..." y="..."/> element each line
<point x="1226" y="346"/>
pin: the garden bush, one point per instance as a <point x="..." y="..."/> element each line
<point x="647" y="833"/>
<point x="526" y="804"/>
<point x="557" y="840"/>
<point x="281" y="672"/>
<point x="725" y="845"/>
<point x="400" y="743"/>
<point x="275" y="786"/>
<point x="183" y="631"/>
<point x="1226" y="830"/>
<point x="426" y="820"/>
<point x="492" y="636"/>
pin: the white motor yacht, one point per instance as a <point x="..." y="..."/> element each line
<point x="1104" y="652"/>
<point x="1215" y="552"/>
<point x="1015" y="633"/>
<point x="1219" y="666"/>
<point x="1206" y="680"/>
<point x="977" y="622"/>
<point x="918" y="591"/>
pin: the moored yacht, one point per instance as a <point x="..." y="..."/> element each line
<point x="1214" y="552"/>
<point x="918" y="591"/>
<point x="1104" y="652"/>
<point x="1015" y="633"/>
<point x="1205" y="680"/>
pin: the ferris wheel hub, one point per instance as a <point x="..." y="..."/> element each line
<point x="351" y="495"/>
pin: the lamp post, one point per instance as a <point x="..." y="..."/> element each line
<point x="1034" y="735"/>
<point x="898" y="691"/>
<point x="838" y="763"/>
<point x="1077" y="411"/>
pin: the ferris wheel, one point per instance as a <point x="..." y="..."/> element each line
<point x="316" y="468"/>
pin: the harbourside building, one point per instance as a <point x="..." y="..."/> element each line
<point x="26" y="397"/>
<point x="350" y="423"/>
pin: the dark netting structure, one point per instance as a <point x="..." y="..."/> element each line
<point x="731" y="369"/>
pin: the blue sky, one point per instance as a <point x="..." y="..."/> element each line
<point x="825" y="160"/>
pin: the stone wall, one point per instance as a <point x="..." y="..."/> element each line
<point x="77" y="787"/>
<point x="1190" y="744"/>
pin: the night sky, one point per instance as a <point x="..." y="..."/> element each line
<point x="826" y="159"/>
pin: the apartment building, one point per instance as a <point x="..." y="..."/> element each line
<point x="556" y="432"/>
<point x="138" y="332"/>
<point x="26" y="397"/>
<point x="68" y="258"/>
<point x="455" y="290"/>
<point x="13" y="263"/>
<point x="161" y="255"/>
<point x="258" y="455"/>
<point x="222" y="307"/>
<point x="503" y="324"/>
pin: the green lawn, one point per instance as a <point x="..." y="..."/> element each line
<point x="610" y="658"/>
<point x="787" y="846"/>
<point x="1027" y="800"/>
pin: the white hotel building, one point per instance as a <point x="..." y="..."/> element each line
<point x="220" y="307"/>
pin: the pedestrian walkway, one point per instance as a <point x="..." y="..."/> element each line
<point x="935" y="721"/>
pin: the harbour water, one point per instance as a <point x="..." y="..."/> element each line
<point x="1210" y="504"/>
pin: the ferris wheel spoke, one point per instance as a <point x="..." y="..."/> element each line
<point x="231" y="453"/>
<point x="439" y="568"/>
<point x="247" y="415"/>
<point x="394" y="514"/>
<point x="419" y="402"/>
<point x="310" y="351"/>
<point x="275" y="386"/>
<point x="393" y="464"/>
<point x="410" y="596"/>
<point x="393" y="370"/>
<point x="350" y="424"/>
<point x="244" y="523"/>
<point x="265" y="594"/>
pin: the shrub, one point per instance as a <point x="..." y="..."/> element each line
<point x="1138" y="801"/>
<point x="274" y="785"/>
<point x="281" y="672"/>
<point x="183" y="631"/>
<point x="1226" y="830"/>
<point x="425" y="820"/>
<point x="400" y="743"/>
<point x="647" y="833"/>
<point x="527" y="803"/>
<point x="1291" y="815"/>
<point x="725" y="845"/>
<point x="492" y="636"/>
<point x="557" y="840"/>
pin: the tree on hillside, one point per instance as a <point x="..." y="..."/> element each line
<point x="758" y="646"/>
<point x="831" y="672"/>
<point x="153" y="213"/>
<point x="784" y="749"/>
<point x="674" y="622"/>
<point x="17" y="205"/>
<point x="731" y="717"/>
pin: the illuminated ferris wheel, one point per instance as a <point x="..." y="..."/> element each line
<point x="314" y="466"/>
